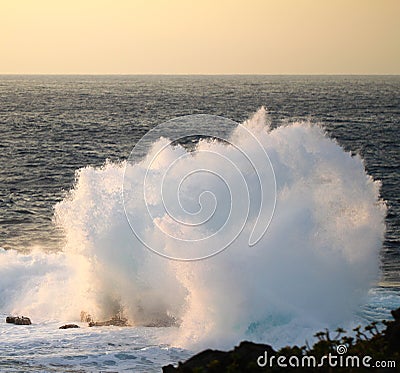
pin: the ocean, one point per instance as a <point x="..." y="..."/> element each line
<point x="329" y="257"/>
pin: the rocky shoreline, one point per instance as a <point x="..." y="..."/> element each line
<point x="382" y="346"/>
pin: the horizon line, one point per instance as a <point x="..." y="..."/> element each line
<point x="202" y="74"/>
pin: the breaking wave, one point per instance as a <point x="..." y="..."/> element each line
<point x="312" y="267"/>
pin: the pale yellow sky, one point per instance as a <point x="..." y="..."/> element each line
<point x="200" y="36"/>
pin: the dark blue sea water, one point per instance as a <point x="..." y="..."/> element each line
<point x="50" y="126"/>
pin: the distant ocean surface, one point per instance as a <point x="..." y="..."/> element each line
<point x="52" y="126"/>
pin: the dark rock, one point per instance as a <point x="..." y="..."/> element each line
<point x="250" y="352"/>
<point x="10" y="319"/>
<point x="69" y="326"/>
<point x="115" y="321"/>
<point x="396" y="314"/>
<point x="22" y="321"/>
<point x="18" y="320"/>
<point x="169" y="369"/>
<point x="243" y="358"/>
<point x="392" y="332"/>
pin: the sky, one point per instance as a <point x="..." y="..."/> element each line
<point x="200" y="37"/>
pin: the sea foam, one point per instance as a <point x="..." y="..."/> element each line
<point x="312" y="268"/>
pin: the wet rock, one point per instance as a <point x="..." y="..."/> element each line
<point x="115" y="321"/>
<point x="23" y="321"/>
<point x="69" y="326"/>
<point x="396" y="314"/>
<point x="18" y="320"/>
<point x="392" y="332"/>
<point x="10" y="319"/>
